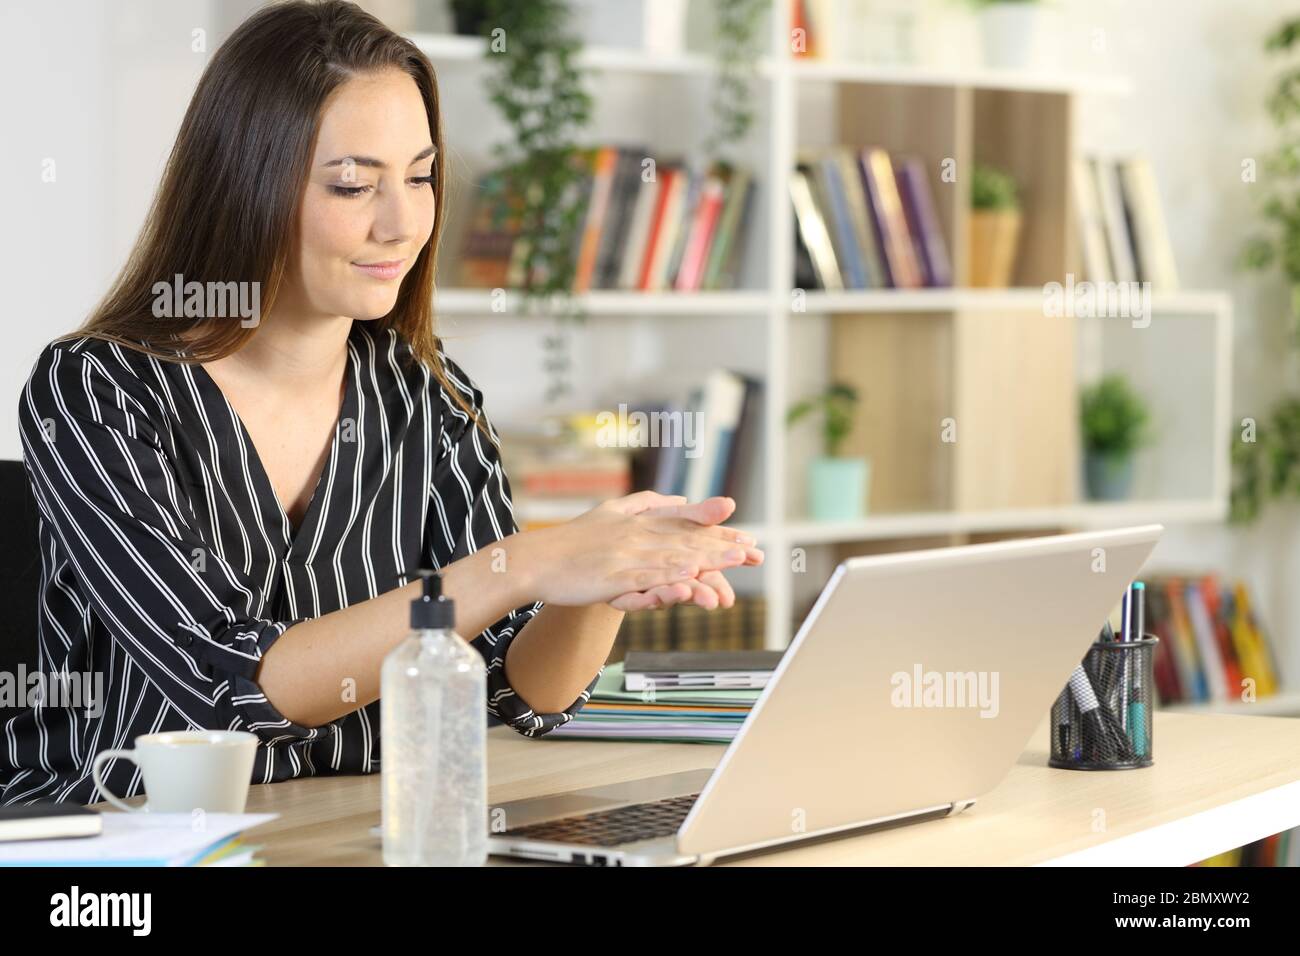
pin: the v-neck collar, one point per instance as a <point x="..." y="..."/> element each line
<point x="298" y="542"/>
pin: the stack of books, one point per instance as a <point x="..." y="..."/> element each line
<point x="126" y="839"/>
<point x="1280" y="849"/>
<point x="1122" y="224"/>
<point x="686" y="627"/>
<point x="702" y="702"/>
<point x="564" y="467"/>
<point x="866" y="220"/>
<point x="1210" y="641"/>
<point x="646" y="225"/>
<point x="704" y="444"/>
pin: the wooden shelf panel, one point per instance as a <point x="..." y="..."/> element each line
<point x="1081" y="515"/>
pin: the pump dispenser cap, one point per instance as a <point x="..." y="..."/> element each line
<point x="432" y="610"/>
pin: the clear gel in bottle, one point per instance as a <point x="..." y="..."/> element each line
<point x="433" y="691"/>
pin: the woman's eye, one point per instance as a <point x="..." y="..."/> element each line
<point x="349" y="191"/>
<point x="422" y="180"/>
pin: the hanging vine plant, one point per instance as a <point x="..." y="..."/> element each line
<point x="1266" y="456"/>
<point x="737" y="43"/>
<point x="538" y="90"/>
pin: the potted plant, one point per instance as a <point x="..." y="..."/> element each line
<point x="538" y="89"/>
<point x="1113" y="421"/>
<point x="1008" y="29"/>
<point x="837" y="487"/>
<point x="994" y="227"/>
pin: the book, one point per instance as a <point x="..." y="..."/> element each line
<point x="683" y="220"/>
<point x="864" y="227"/>
<point x="48" y="821"/>
<point x="139" y="839"/>
<point x="664" y="226"/>
<point x="813" y="233"/>
<point x="923" y="223"/>
<point x="745" y="669"/>
<point x="1123" y="267"/>
<point x="1092" y="223"/>
<point x="602" y="183"/>
<point x="639" y="232"/>
<point x="833" y="202"/>
<point x="624" y="192"/>
<point x="724" y="255"/>
<point x="719" y="412"/>
<point x="690" y="274"/>
<point x="891" y="222"/>
<point x="1147" y="229"/>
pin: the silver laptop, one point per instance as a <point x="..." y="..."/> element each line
<point x="842" y="737"/>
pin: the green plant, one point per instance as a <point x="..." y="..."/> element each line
<point x="837" y="405"/>
<point x="1267" y="463"/>
<point x="1113" y="417"/>
<point x="737" y="32"/>
<point x="993" y="189"/>
<point x="538" y="90"/>
<point x="1280" y="208"/>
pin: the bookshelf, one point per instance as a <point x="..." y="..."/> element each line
<point x="917" y="353"/>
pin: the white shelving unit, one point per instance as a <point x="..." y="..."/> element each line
<point x="767" y="299"/>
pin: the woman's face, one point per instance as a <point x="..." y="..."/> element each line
<point x="368" y="208"/>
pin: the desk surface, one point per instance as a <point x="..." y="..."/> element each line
<point x="1219" y="781"/>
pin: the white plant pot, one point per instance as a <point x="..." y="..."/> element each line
<point x="1009" y="31"/>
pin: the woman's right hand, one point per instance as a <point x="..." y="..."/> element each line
<point x="638" y="543"/>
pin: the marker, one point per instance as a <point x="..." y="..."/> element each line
<point x="1136" y="711"/>
<point x="1137" y="716"/>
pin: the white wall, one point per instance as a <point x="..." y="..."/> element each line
<point x="100" y="89"/>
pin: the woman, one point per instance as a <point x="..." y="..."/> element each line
<point x="231" y="504"/>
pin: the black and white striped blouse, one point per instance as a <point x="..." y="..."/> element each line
<point x="170" y="567"/>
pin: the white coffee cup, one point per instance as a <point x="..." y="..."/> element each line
<point x="188" y="770"/>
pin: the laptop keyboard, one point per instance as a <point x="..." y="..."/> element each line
<point x="638" y="821"/>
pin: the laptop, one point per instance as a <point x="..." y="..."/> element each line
<point x="909" y="691"/>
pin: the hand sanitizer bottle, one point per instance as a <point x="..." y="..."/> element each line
<point x="433" y="725"/>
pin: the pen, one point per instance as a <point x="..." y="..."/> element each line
<point x="1063" y="728"/>
<point x="1099" y="724"/>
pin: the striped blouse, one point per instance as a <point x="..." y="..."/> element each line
<point x="170" y="567"/>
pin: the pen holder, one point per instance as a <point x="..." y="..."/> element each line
<point x="1102" y="720"/>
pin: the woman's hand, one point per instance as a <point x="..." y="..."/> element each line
<point x="710" y="589"/>
<point x="644" y="550"/>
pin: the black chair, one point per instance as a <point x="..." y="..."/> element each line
<point x="20" y="576"/>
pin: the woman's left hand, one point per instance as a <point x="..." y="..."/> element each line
<point x="711" y="589"/>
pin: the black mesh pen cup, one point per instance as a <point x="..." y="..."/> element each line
<point x="1102" y="720"/>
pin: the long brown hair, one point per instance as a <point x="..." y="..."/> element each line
<point x="228" y="201"/>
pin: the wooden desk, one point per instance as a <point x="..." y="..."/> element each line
<point x="1219" y="781"/>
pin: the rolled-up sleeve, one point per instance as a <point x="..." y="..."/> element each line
<point x="112" y="500"/>
<point x="472" y="509"/>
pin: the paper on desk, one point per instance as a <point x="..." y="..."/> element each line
<point x="610" y="687"/>
<point x="136" y="839"/>
<point x="647" y="730"/>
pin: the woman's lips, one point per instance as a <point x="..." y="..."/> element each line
<point x="381" y="270"/>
